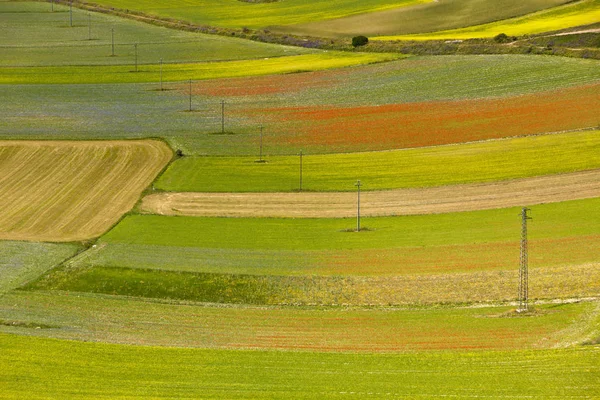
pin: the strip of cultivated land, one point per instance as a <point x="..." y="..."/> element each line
<point x="428" y="17"/>
<point x="39" y="37"/>
<point x="574" y="14"/>
<point x="241" y="14"/>
<point x="547" y="189"/>
<point x="460" y="257"/>
<point x="179" y="72"/>
<point x="325" y="329"/>
<point x="42" y="368"/>
<point x="481" y="162"/>
<point x="66" y="191"/>
<point x="22" y="262"/>
<point x="411" y="102"/>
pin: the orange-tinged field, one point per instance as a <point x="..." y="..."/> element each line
<point x="67" y="190"/>
<point x="435" y="123"/>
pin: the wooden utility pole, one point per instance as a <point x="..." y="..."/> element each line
<point x="300" y="170"/>
<point x="223" y="116"/>
<point x="358" y="185"/>
<point x="112" y="40"/>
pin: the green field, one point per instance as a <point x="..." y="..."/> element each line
<point x="45" y="368"/>
<point x="42" y="38"/>
<point x="578" y="13"/>
<point x="77" y="316"/>
<point x="416" y="306"/>
<point x="428" y="17"/>
<point x="556" y="220"/>
<point x="255" y="15"/>
<point x="24" y="261"/>
<point x="181" y="72"/>
<point x="140" y="110"/>
<point x="436" y="166"/>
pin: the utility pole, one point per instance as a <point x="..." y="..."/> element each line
<point x="112" y="39"/>
<point x="261" y="144"/>
<point x="161" y="86"/>
<point x="71" y="13"/>
<point x="300" y="170"/>
<point x="52" y="7"/>
<point x="190" y="95"/>
<point x="223" y="116"/>
<point x="358" y="185"/>
<point x="136" y="58"/>
<point x="89" y="26"/>
<point x="523" y="267"/>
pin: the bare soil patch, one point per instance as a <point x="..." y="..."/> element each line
<point x="445" y="199"/>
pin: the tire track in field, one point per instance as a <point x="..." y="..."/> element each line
<point x="435" y="200"/>
<point x="72" y="190"/>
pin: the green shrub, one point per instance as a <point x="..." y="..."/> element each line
<point x="359" y="41"/>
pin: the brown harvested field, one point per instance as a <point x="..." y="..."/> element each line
<point x="444" y="199"/>
<point x="63" y="191"/>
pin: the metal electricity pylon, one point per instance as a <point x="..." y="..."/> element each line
<point x="523" y="267"/>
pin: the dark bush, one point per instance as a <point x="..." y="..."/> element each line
<point x="504" y="38"/>
<point x="359" y="41"/>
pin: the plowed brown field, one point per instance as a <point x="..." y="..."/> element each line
<point x="70" y="190"/>
<point x="545" y="189"/>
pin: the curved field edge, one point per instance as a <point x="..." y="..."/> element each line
<point x="117" y="319"/>
<point x="38" y="37"/>
<point x="247" y="15"/>
<point x="456" y="198"/>
<point x="432" y="16"/>
<point x="580" y="13"/>
<point x="186" y="71"/>
<point x="562" y="235"/>
<point x="488" y="161"/>
<point x="64" y="191"/>
<point x="37" y="368"/>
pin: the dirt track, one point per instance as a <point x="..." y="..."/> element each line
<point x="547" y="189"/>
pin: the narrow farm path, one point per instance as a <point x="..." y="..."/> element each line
<point x="444" y="199"/>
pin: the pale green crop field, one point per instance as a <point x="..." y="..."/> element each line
<point x="422" y="167"/>
<point x="44" y="368"/>
<point x="24" y="261"/>
<point x="39" y="37"/>
<point x="578" y="13"/>
<point x="116" y="319"/>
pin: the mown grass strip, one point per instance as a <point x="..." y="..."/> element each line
<point x="556" y="220"/>
<point x="185" y="71"/>
<point x="43" y="368"/>
<point x="583" y="12"/>
<point x="424" y="167"/>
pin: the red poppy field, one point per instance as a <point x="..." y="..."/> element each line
<point x="435" y="123"/>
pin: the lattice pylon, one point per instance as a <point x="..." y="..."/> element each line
<point x="523" y="265"/>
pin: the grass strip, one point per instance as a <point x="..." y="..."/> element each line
<point x="422" y="167"/>
<point x="185" y="71"/>
<point x="43" y="368"/>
